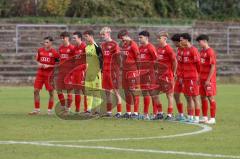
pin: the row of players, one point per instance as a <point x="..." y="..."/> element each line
<point x="187" y="71"/>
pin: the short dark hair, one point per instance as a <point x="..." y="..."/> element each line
<point x="65" y="34"/>
<point x="78" y="33"/>
<point x="89" y="32"/>
<point x="144" y="33"/>
<point x="202" y="37"/>
<point x="122" y="33"/>
<point x="48" y="38"/>
<point x="176" y="37"/>
<point x="186" y="36"/>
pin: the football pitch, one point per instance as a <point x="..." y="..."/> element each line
<point x="24" y="137"/>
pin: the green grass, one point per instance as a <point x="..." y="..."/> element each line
<point x="16" y="125"/>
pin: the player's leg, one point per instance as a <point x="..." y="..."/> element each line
<point x="129" y="99"/>
<point x="109" y="102"/>
<point x="146" y="102"/>
<point x="213" y="107"/>
<point x="119" y="103"/>
<point x="38" y="83"/>
<point x="190" y="107"/>
<point x="77" y="100"/>
<point x="157" y="105"/>
<point x="170" y="106"/>
<point x="61" y="98"/>
<point x="197" y="108"/>
<point x="50" y="101"/>
<point x="177" y="96"/>
<point x="69" y="99"/>
<point x="36" y="110"/>
<point x="179" y="104"/>
<point x="204" y="102"/>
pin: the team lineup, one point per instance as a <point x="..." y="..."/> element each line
<point x="84" y="66"/>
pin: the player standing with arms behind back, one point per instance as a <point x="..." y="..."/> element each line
<point x="178" y="86"/>
<point x="110" y="49"/>
<point x="191" y="68"/>
<point x="207" y="79"/>
<point x="130" y="75"/>
<point x="79" y="73"/>
<point x="167" y="56"/>
<point x="46" y="58"/>
<point x="66" y="52"/>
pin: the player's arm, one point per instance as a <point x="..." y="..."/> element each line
<point x="174" y="61"/>
<point x="196" y="59"/>
<point x="212" y="68"/>
<point x="100" y="55"/>
<point x="40" y="65"/>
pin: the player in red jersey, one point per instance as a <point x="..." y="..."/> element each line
<point x="178" y="86"/>
<point x="130" y="76"/>
<point x="147" y="57"/>
<point x="167" y="57"/>
<point x="66" y="52"/>
<point x="79" y="70"/>
<point x="190" y="68"/>
<point x="46" y="59"/>
<point x="207" y="79"/>
<point x="110" y="79"/>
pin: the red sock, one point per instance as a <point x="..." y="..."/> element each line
<point x="190" y="111"/>
<point x="204" y="107"/>
<point x="170" y="110"/>
<point x="85" y="104"/>
<point x="213" y="108"/>
<point x="197" y="112"/>
<point x="128" y="103"/>
<point x="136" y="103"/>
<point x="109" y="107"/>
<point x="180" y="108"/>
<point x="159" y="107"/>
<point x="61" y="99"/>
<point x="37" y="104"/>
<point x="77" y="102"/>
<point x="50" y="104"/>
<point x="155" y="108"/>
<point x="119" y="108"/>
<point x="146" y="104"/>
<point x="69" y="100"/>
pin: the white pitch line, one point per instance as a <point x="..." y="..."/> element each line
<point x="127" y="149"/>
<point x="205" y="128"/>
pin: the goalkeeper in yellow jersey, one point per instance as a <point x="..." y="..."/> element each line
<point x="93" y="83"/>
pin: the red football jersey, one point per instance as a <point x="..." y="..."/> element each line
<point x="191" y="63"/>
<point x="79" y="49"/>
<point x="179" y="57"/>
<point x="208" y="57"/>
<point x="48" y="57"/>
<point x="109" y="50"/>
<point x="147" y="53"/>
<point x="66" y="52"/>
<point x="166" y="56"/>
<point x="130" y="52"/>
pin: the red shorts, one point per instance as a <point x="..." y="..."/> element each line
<point x="78" y="77"/>
<point x="110" y="80"/>
<point x="178" y="86"/>
<point x="147" y="79"/>
<point x="190" y="87"/>
<point x="166" y="84"/>
<point x="44" y="78"/>
<point x="209" y="90"/>
<point x="64" y="81"/>
<point x="130" y="79"/>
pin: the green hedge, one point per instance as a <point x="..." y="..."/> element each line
<point x="121" y="9"/>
